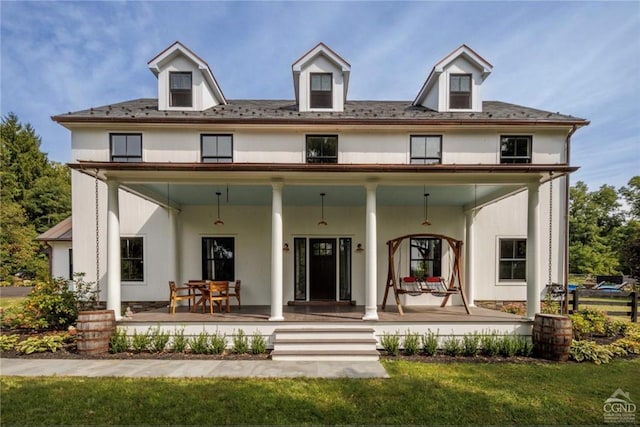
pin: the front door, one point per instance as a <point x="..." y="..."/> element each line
<point x="322" y="269"/>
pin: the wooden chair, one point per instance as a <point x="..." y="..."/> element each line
<point x="177" y="294"/>
<point x="234" y="291"/>
<point x="217" y="292"/>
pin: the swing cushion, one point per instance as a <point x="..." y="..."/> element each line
<point x="410" y="286"/>
<point x="408" y="279"/>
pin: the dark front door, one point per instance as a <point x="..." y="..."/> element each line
<point x="322" y="269"/>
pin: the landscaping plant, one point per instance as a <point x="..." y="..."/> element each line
<point x="140" y="341"/>
<point x="158" y="340"/>
<point x="258" y="343"/>
<point x="119" y="341"/>
<point x="411" y="343"/>
<point x="452" y="346"/>
<point x="240" y="343"/>
<point x="180" y="342"/>
<point x="218" y="343"/>
<point x="430" y="343"/>
<point x="200" y="343"/>
<point x="391" y="343"/>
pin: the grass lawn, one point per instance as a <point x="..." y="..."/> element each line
<point x="416" y="393"/>
<point x="7" y="302"/>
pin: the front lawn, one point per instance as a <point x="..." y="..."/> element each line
<point x="416" y="393"/>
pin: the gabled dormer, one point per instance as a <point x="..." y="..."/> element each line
<point x="321" y="80"/>
<point x="185" y="81"/>
<point x="455" y="82"/>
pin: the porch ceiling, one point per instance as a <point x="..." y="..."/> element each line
<point x="309" y="195"/>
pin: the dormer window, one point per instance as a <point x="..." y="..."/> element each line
<point x="180" y="90"/>
<point x="460" y="91"/>
<point x="321" y="90"/>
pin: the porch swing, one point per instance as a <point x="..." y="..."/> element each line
<point x="436" y="286"/>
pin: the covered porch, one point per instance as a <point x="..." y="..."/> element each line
<point x="267" y="209"/>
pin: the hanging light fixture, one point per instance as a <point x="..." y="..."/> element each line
<point x="218" y="220"/>
<point x="322" y="221"/>
<point x="426" y="210"/>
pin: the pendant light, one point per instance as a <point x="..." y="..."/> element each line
<point x="426" y="210"/>
<point x="322" y="221"/>
<point x="218" y="220"/>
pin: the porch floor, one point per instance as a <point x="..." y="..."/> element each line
<point x="328" y="313"/>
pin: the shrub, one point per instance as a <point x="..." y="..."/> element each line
<point x="258" y="343"/>
<point x="51" y="305"/>
<point x="180" y="342"/>
<point x="218" y="343"/>
<point x="391" y="343"/>
<point x="159" y="340"/>
<point x="140" y="342"/>
<point x="615" y="327"/>
<point x="583" y="350"/>
<point x="508" y="345"/>
<point x="200" y="343"/>
<point x="515" y="308"/>
<point x="240" y="343"/>
<point x="490" y="344"/>
<point x="411" y="343"/>
<point x="8" y="342"/>
<point x="430" y="343"/>
<point x="629" y="345"/>
<point x="588" y="322"/>
<point x="452" y="346"/>
<point x="471" y="344"/>
<point x="119" y="341"/>
<point x="525" y="347"/>
<point x="41" y="344"/>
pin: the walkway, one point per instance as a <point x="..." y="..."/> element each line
<point x="190" y="368"/>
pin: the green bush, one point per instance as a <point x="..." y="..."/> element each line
<point x="587" y="323"/>
<point x="452" y="346"/>
<point x="430" y="343"/>
<point x="180" y="341"/>
<point x="490" y="344"/>
<point x="583" y="350"/>
<point x="41" y="344"/>
<point x="8" y="342"/>
<point x="391" y="343"/>
<point x="200" y="343"/>
<point x="470" y="344"/>
<point x="525" y="347"/>
<point x="119" y="341"/>
<point x="629" y="345"/>
<point x="218" y="343"/>
<point x="258" y="343"/>
<point x="508" y="345"/>
<point x="411" y="343"/>
<point x="158" y="340"/>
<point x="140" y="341"/>
<point x="240" y="343"/>
<point x="51" y="305"/>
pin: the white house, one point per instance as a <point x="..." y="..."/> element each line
<point x="297" y="198"/>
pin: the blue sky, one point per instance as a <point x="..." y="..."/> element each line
<point x="578" y="58"/>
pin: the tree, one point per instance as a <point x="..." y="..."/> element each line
<point x="594" y="222"/>
<point x="35" y="194"/>
<point x="630" y="232"/>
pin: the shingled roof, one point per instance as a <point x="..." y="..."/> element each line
<point x="286" y="112"/>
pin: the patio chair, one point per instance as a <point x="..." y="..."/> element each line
<point x="178" y="294"/>
<point x="216" y="292"/>
<point x="610" y="287"/>
<point x="234" y="291"/>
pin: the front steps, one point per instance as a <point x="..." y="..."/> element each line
<point x="325" y="344"/>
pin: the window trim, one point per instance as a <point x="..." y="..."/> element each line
<point x="306" y="149"/>
<point x="514" y="159"/>
<point x="320" y="92"/>
<point x="511" y="281"/>
<point x="111" y="155"/>
<point x="217" y="135"/>
<point x="425" y="158"/>
<point x="181" y="91"/>
<point x="468" y="93"/>
<point x="144" y="264"/>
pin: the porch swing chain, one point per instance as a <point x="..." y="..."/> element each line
<point x="97" y="238"/>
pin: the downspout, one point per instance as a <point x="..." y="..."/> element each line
<point x="567" y="187"/>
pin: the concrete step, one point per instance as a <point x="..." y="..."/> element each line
<point x="323" y="344"/>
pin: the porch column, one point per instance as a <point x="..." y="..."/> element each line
<point x="174" y="262"/>
<point x="113" y="248"/>
<point x="533" y="230"/>
<point x="371" y="259"/>
<point x="276" y="252"/>
<point x="470" y="290"/>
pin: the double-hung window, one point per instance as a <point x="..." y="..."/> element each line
<point x="180" y="89"/>
<point x="216" y="148"/>
<point x="126" y="147"/>
<point x="513" y="260"/>
<point x="515" y="149"/>
<point x="322" y="149"/>
<point x="426" y="258"/>
<point x="460" y="91"/>
<point x="131" y="259"/>
<point x="426" y="149"/>
<point x="321" y="93"/>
